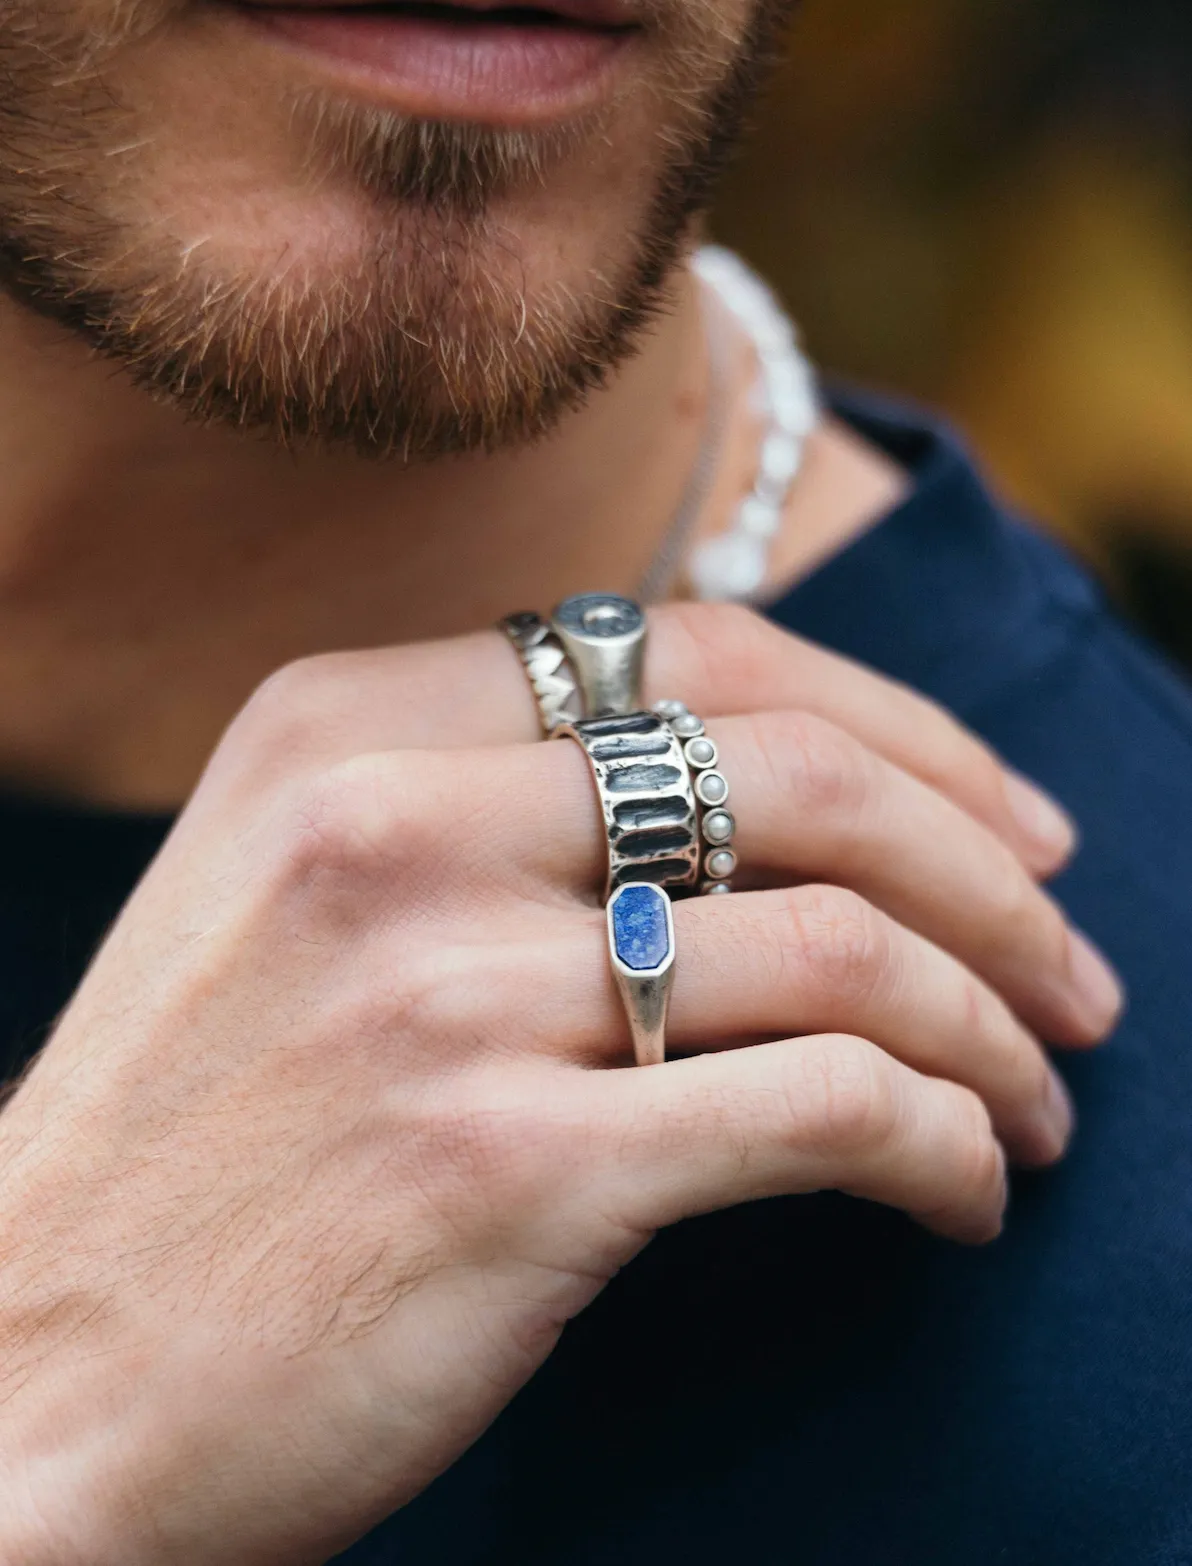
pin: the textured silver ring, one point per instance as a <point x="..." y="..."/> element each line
<point x="644" y="784"/>
<point x="586" y="661"/>
<point x="548" y="669"/>
<point x="641" y="945"/>
<point x="717" y="825"/>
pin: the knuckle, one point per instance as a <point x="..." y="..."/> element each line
<point x="988" y="1176"/>
<point x="284" y="709"/>
<point x="1025" y="1072"/>
<point x="1011" y="896"/>
<point x="977" y="1017"/>
<point x="1022" y="914"/>
<point x="355" y="817"/>
<point x="957" y="755"/>
<point x="1016" y="1067"/>
<point x="810" y="759"/>
<point x="978" y="771"/>
<point x="1015" y="1075"/>
<point x="414" y="822"/>
<point x="979" y="1160"/>
<point x="505" y="1147"/>
<point x="423" y="1004"/>
<point x="843" y="1097"/>
<point x="845" y="945"/>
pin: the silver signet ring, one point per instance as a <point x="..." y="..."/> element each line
<point x="604" y="637"/>
<point x="641" y="944"/>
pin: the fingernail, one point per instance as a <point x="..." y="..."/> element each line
<point x="1003" y="1210"/>
<point x="1039" y="818"/>
<point x="1060" y="1109"/>
<point x="1098" y="990"/>
<point x="1051" y="1127"/>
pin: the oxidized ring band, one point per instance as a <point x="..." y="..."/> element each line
<point x="718" y="861"/>
<point x="587" y="662"/>
<point x="643" y="781"/>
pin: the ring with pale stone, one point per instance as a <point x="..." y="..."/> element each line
<point x="641" y="944"/>
<point x="586" y="662"/>
<point x="718" y="861"/>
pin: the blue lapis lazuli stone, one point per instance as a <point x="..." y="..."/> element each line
<point x="639" y="928"/>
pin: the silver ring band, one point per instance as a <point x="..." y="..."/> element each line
<point x="586" y="662"/>
<point x="604" y="637"/>
<point x="552" y="679"/>
<point x="643" y="781"/>
<point x="717" y="825"/>
<point x="641" y="944"/>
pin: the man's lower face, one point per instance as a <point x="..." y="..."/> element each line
<point x="414" y="228"/>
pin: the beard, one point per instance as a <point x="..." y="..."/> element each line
<point x="420" y="326"/>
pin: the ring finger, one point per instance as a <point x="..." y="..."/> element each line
<point x="777" y="964"/>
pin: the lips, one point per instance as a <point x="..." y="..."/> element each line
<point x="582" y="13"/>
<point x="472" y="60"/>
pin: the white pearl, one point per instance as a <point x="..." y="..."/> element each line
<point x="784" y="398"/>
<point x="719" y="826"/>
<point x="795" y="417"/>
<point x="793" y="408"/>
<point x="757" y="517"/>
<point x="721" y="864"/>
<point x="711" y="789"/>
<point x="730" y="566"/>
<point x="714" y="261"/>
<point x="773" y="338"/>
<point x="785" y="376"/>
<point x="779" y="458"/>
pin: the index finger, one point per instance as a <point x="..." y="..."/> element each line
<point x="719" y="658"/>
<point x="722" y="659"/>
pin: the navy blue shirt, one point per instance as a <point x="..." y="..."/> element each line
<point x="815" y="1381"/>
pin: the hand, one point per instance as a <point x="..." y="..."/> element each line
<point x="321" y="1157"/>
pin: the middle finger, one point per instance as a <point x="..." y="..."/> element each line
<point x="814" y="804"/>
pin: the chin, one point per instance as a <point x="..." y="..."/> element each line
<point x="273" y="233"/>
<point x="396" y="331"/>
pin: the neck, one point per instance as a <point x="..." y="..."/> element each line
<point x="152" y="572"/>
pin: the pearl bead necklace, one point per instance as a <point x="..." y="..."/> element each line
<point x="735" y="563"/>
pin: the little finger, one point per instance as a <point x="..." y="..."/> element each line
<point x="829" y="1112"/>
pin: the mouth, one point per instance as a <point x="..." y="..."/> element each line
<point x="473" y="60"/>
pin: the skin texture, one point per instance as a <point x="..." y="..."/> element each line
<point x="358" y="977"/>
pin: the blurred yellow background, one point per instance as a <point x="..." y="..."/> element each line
<point x="987" y="205"/>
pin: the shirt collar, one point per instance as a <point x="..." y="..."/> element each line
<point x="947" y="593"/>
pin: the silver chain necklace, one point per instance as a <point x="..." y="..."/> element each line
<point x="734" y="564"/>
